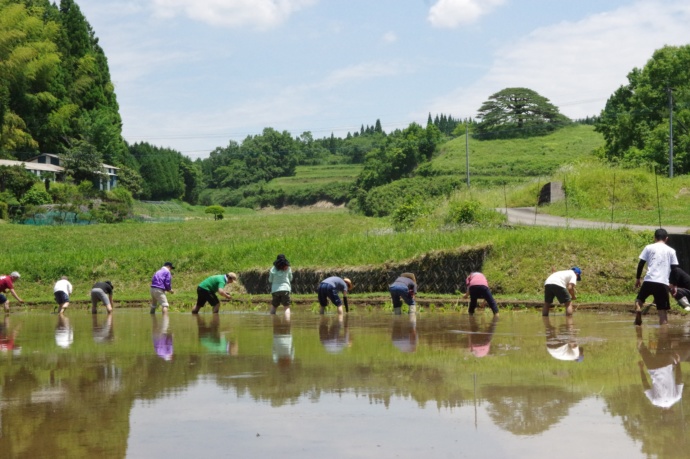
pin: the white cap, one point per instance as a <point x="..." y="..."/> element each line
<point x="15" y="274"/>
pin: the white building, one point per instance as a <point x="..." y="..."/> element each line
<point x="47" y="165"/>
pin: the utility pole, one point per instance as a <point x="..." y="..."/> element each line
<point x="670" y="132"/>
<point x="467" y="155"/>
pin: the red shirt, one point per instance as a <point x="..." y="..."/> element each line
<point x="6" y="283"/>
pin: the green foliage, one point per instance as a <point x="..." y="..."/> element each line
<point x="406" y="214"/>
<point x="83" y="162"/>
<point x="403" y="152"/>
<point x="216" y="211"/>
<point x="382" y="201"/>
<point x="517" y="112"/>
<point x="16" y="180"/>
<point x="122" y="195"/>
<point x="36" y="196"/>
<point x="160" y="170"/>
<point x="131" y="180"/>
<point x="470" y="212"/>
<point x="4" y="210"/>
<point x="635" y="121"/>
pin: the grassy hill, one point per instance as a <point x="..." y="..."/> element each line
<point x="317" y="176"/>
<point x="515" y="160"/>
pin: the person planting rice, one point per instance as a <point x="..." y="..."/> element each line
<point x="478" y="287"/>
<point x="680" y="287"/>
<point x="404" y="288"/>
<point x="280" y="277"/>
<point x="660" y="259"/>
<point x="329" y="288"/>
<point x="561" y="285"/>
<point x="7" y="283"/>
<point x="206" y="291"/>
<point x="62" y="290"/>
<point x="161" y="282"/>
<point x="102" y="292"/>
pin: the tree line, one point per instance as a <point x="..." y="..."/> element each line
<point x="56" y="96"/>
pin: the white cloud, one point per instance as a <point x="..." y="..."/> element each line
<point x="390" y="37"/>
<point x="261" y="14"/>
<point x="452" y="13"/>
<point x="577" y="65"/>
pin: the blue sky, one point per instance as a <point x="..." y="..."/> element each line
<point x="195" y="74"/>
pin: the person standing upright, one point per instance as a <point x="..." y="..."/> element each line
<point x="660" y="259"/>
<point x="280" y="277"/>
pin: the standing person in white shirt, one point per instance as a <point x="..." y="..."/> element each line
<point x="660" y="258"/>
<point x="62" y="290"/>
<point x="561" y="285"/>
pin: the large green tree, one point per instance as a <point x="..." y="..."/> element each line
<point x="518" y="112"/>
<point x="635" y="121"/>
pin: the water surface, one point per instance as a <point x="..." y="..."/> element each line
<point x="368" y="385"/>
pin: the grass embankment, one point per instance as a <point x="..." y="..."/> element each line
<point x="129" y="253"/>
<point x="514" y="160"/>
<point x="310" y="176"/>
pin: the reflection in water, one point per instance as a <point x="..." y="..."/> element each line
<point x="211" y="337"/>
<point x="404" y="334"/>
<point x="663" y="366"/>
<point x="82" y="403"/>
<point x="480" y="340"/>
<point x="562" y="343"/>
<point x="162" y="338"/>
<point x="102" y="332"/>
<point x="64" y="335"/>
<point x="283" y="348"/>
<point x="8" y="338"/>
<point x="330" y="333"/>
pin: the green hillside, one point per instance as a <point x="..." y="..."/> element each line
<point x="310" y="176"/>
<point x="495" y="161"/>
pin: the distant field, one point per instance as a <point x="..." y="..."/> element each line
<point x="308" y="176"/>
<point x="492" y="161"/>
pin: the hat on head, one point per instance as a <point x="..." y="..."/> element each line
<point x="169" y="265"/>
<point x="232" y="276"/>
<point x="109" y="283"/>
<point x="15" y="274"/>
<point x="349" y="283"/>
<point x="577" y="271"/>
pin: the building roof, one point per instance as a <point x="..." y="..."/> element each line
<point x="33" y="166"/>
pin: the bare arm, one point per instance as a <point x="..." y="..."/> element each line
<point x="14" y="294"/>
<point x="640" y="265"/>
<point x="571" y="289"/>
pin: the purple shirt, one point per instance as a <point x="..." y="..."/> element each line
<point x="162" y="280"/>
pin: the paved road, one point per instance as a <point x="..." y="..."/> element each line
<point x="526" y="216"/>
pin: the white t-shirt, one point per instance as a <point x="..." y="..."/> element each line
<point x="63" y="285"/>
<point x="659" y="258"/>
<point x="562" y="278"/>
<point x="664" y="392"/>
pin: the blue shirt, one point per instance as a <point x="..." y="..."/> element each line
<point x="162" y="280"/>
<point x="337" y="283"/>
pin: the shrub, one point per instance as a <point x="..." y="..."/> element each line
<point x="36" y="196"/>
<point x="471" y="213"/>
<point x="405" y="215"/>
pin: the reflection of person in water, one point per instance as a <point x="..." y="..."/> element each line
<point x="480" y="341"/>
<point x="162" y="338"/>
<point x="663" y="366"/>
<point x="404" y="335"/>
<point x="330" y="335"/>
<point x="8" y="339"/>
<point x="562" y="343"/>
<point x="64" y="335"/>
<point x="212" y="338"/>
<point x="103" y="333"/>
<point x="283" y="348"/>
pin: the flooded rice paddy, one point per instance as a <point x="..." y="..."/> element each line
<point x="368" y="385"/>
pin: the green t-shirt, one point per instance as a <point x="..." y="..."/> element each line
<point x="213" y="283"/>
